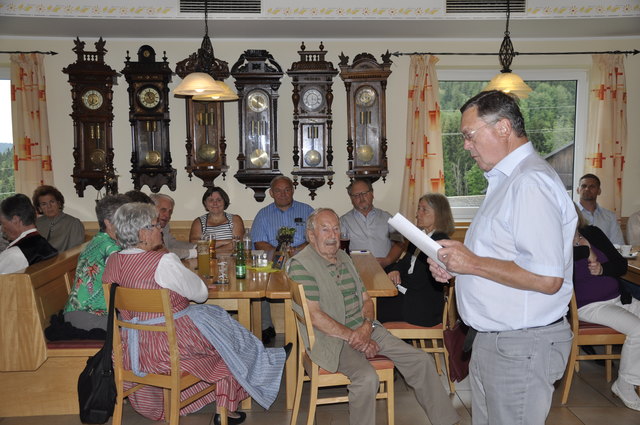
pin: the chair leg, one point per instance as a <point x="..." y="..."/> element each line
<point x="568" y="374"/>
<point x="390" y="401"/>
<point x="174" y="418"/>
<point x="313" y="400"/>
<point x="224" y="416"/>
<point x="608" y="362"/>
<point x="117" y="411"/>
<point x="298" y="395"/>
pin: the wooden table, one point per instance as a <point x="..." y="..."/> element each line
<point x="633" y="272"/>
<point x="238" y="294"/>
<point x="375" y="280"/>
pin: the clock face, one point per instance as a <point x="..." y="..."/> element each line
<point x="366" y="96"/>
<point x="257" y="101"/>
<point x="149" y="97"/>
<point x="92" y="99"/>
<point x="312" y="99"/>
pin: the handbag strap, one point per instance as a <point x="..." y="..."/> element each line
<point x="108" y="343"/>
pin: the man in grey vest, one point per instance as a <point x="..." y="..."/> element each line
<point x="347" y="332"/>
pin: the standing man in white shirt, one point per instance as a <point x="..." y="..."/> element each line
<point x="164" y="206"/>
<point x="514" y="269"/>
<point x="368" y="227"/>
<point x="602" y="218"/>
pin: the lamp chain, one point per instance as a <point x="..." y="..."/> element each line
<point x="206" y="18"/>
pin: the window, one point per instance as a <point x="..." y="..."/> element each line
<point x="7" y="184"/>
<point x="555" y="118"/>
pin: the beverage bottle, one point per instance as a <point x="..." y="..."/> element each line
<point x="241" y="262"/>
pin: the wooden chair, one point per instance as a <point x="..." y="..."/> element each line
<point x="420" y="335"/>
<point x="152" y="301"/>
<point x="319" y="378"/>
<point x="585" y="333"/>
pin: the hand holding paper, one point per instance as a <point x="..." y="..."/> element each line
<point x="418" y="238"/>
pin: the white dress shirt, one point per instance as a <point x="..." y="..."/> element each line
<point x="12" y="259"/>
<point x="528" y="218"/>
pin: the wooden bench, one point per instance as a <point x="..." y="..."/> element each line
<point x="39" y="377"/>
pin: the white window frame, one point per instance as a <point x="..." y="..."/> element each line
<point x="582" y="112"/>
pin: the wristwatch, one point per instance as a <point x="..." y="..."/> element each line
<point x="373" y="323"/>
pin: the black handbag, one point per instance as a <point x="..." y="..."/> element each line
<point x="96" y="384"/>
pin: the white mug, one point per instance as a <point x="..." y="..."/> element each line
<point x="625" y="250"/>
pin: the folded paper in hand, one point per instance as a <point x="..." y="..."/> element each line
<point x="418" y="238"/>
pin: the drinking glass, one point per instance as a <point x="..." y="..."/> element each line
<point x="202" y="248"/>
<point x="345" y="242"/>
<point x="223" y="269"/>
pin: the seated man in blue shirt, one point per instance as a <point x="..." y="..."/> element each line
<point x="283" y="212"/>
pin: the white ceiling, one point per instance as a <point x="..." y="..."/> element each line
<point x="320" y="29"/>
<point x="322" y="20"/>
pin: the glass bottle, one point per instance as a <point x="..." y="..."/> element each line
<point x="241" y="263"/>
<point x="246" y="241"/>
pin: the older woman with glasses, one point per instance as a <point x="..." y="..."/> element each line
<point x="238" y="364"/>
<point x="61" y="230"/>
<point x="420" y="298"/>
<point x="217" y="223"/>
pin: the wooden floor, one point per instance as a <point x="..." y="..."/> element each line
<point x="590" y="403"/>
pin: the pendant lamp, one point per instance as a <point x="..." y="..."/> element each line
<point x="507" y="81"/>
<point x="200" y="82"/>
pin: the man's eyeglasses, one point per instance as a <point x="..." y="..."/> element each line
<point x="359" y="195"/>
<point x="152" y="226"/>
<point x="469" y="135"/>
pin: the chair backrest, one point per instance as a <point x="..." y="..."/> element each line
<point x="574" y="322"/>
<point x="144" y="301"/>
<point x="300" y="309"/>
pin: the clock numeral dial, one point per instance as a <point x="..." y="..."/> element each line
<point x="149" y="97"/>
<point x="312" y="99"/>
<point x="92" y="99"/>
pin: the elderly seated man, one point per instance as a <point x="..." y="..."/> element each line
<point x="27" y="247"/>
<point x="343" y="316"/>
<point x="164" y="206"/>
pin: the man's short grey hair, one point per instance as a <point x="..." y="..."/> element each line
<point x="361" y="180"/>
<point x="156" y="197"/>
<point x="311" y="220"/>
<point x="129" y="219"/>
<point x="277" y="179"/>
<point x="107" y="207"/>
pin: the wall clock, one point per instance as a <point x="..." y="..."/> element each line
<point x="257" y="79"/>
<point x="148" y="89"/>
<point x="91" y="82"/>
<point x="312" y="78"/>
<point x="366" y="82"/>
<point x="206" y="143"/>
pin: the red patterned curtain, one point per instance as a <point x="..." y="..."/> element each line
<point x="607" y="129"/>
<point x="31" y="146"/>
<point x="424" y="170"/>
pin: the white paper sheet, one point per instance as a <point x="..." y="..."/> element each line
<point x="417" y="237"/>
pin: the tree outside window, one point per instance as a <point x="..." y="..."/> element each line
<point x="550" y="114"/>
